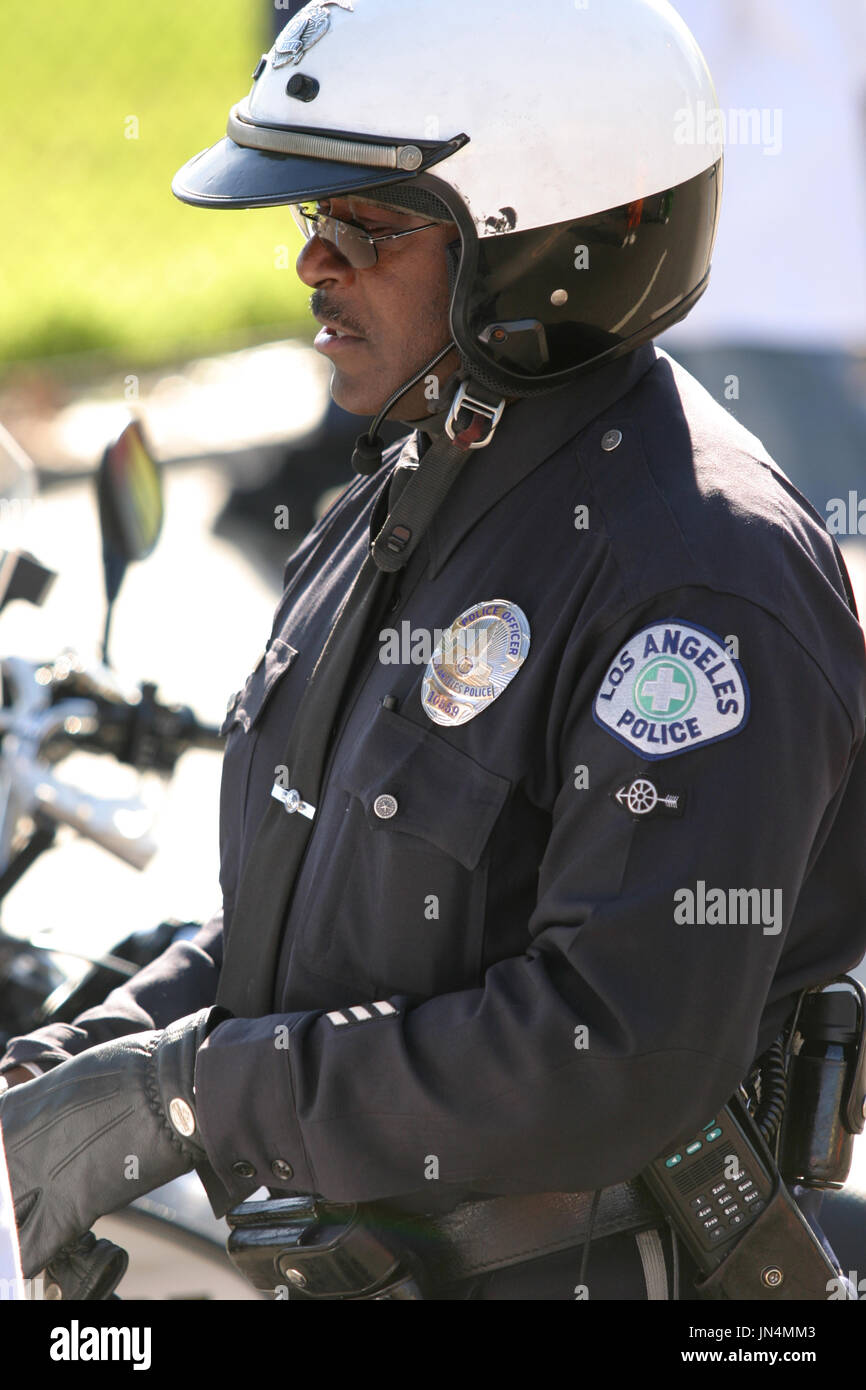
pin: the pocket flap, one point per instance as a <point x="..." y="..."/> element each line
<point x="441" y="794"/>
<point x="245" y="707"/>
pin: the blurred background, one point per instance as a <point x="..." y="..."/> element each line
<point x="102" y="104"/>
<point x="780" y="335"/>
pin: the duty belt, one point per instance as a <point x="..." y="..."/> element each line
<point x="477" y="1237"/>
<point x="328" y="1250"/>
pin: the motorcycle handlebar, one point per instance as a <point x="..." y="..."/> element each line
<point x="151" y="735"/>
<point x="208" y="737"/>
<point x="134" y="727"/>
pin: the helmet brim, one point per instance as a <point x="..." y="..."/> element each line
<point x="228" y="175"/>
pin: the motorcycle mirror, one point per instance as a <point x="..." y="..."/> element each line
<point x="129" y="493"/>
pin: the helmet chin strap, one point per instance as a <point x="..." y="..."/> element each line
<point x="367" y="456"/>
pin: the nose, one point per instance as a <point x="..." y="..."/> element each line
<point x="320" y="262"/>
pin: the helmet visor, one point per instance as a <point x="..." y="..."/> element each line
<point x="291" y="166"/>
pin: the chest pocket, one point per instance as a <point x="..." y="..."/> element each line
<point x="400" y="896"/>
<point x="442" y="795"/>
<point x="245" y="707"/>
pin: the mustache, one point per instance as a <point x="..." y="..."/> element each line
<point x="324" y="308"/>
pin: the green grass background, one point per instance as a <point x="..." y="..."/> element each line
<point x="96" y="251"/>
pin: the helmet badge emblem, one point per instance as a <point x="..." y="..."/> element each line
<point x="308" y="26"/>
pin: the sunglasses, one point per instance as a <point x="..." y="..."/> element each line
<point x="353" y="242"/>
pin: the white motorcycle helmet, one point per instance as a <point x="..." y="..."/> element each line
<point x="563" y="138"/>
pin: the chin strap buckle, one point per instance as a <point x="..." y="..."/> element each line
<point x="474" y="436"/>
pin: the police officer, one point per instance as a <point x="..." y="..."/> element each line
<point x="546" y="798"/>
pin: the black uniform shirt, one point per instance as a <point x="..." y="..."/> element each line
<point x="595" y="901"/>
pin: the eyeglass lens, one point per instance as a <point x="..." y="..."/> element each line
<point x="352" y="242"/>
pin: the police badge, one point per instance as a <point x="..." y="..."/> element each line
<point x="478" y="657"/>
<point x="308" y="26"/>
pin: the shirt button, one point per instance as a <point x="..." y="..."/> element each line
<point x="282" y="1170"/>
<point x="385" y="806"/>
<point x="243" y="1169"/>
<point x="611" y="440"/>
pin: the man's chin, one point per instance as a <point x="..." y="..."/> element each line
<point x="366" y="394"/>
<point x="359" y="398"/>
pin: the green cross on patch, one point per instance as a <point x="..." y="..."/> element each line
<point x="665" y="689"/>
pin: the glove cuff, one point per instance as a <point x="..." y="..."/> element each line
<point x="171" y="1077"/>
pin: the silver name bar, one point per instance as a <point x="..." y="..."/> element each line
<point x="292" y="801"/>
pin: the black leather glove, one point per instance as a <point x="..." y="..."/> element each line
<point x="100" y="1130"/>
<point x="89" y="1269"/>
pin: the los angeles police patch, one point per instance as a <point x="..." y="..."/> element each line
<point x="672" y="688"/>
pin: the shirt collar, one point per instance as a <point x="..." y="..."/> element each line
<point x="531" y="429"/>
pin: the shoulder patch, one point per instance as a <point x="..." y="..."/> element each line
<point x="673" y="687"/>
